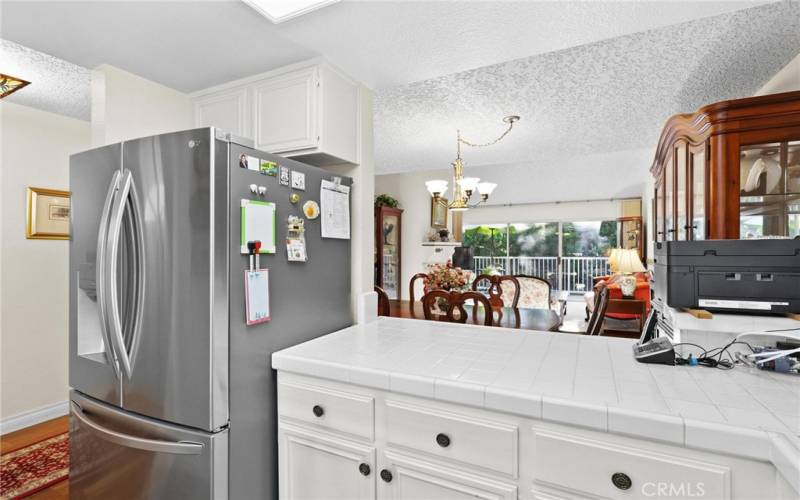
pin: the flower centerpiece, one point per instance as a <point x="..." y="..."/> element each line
<point x="446" y="277"/>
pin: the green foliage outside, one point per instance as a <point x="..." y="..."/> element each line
<point x="587" y="239"/>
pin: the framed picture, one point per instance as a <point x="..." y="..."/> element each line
<point x="48" y="214"/>
<point x="439" y="213"/>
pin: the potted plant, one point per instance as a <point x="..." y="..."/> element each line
<point x="384" y="200"/>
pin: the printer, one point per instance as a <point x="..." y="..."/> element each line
<point x="756" y="276"/>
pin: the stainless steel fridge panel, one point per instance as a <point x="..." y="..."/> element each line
<point x="94" y="176"/>
<point x="179" y="373"/>
<point x="115" y="454"/>
<point x="307" y="300"/>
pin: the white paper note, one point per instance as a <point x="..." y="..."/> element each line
<point x="334" y="201"/>
<point x="256" y="292"/>
<point x="258" y="223"/>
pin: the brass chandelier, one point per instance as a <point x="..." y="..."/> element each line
<point x="464" y="187"/>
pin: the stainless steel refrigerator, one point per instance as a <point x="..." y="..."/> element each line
<point x="172" y="394"/>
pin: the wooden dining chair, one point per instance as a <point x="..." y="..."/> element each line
<point x="411" y="297"/>
<point x="595" y="324"/>
<point x="503" y="291"/>
<point x="455" y="303"/>
<point x="384" y="309"/>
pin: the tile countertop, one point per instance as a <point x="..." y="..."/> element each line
<point x="592" y="382"/>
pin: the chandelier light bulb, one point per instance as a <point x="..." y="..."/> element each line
<point x="468" y="184"/>
<point x="486" y="188"/>
<point x="436" y="187"/>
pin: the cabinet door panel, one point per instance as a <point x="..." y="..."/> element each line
<point x="286" y="112"/>
<point x="412" y="478"/>
<point x="669" y="200"/>
<point x="681" y="189"/>
<point x="227" y="111"/>
<point x="659" y="212"/>
<point x="697" y="160"/>
<point x="316" y="466"/>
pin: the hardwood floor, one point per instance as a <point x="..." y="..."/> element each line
<point x="24" y="437"/>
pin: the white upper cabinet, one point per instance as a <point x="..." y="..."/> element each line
<point x="226" y="109"/>
<point x="308" y="111"/>
<point x="286" y="111"/>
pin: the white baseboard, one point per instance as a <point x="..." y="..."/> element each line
<point x="33" y="417"/>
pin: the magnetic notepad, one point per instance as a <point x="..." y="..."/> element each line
<point x="256" y="293"/>
<point x="258" y="223"/>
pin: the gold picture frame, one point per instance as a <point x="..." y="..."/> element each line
<point x="439" y="213"/>
<point x="48" y="214"/>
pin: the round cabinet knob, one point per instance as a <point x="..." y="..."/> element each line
<point x="364" y="469"/>
<point x="386" y="475"/>
<point x="318" y="411"/>
<point x="621" y="480"/>
<point x="443" y="440"/>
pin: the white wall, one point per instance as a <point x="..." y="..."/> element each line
<point x="362" y="231"/>
<point x="126" y="106"/>
<point x="785" y="80"/>
<point x="545" y="212"/>
<point x="33" y="273"/>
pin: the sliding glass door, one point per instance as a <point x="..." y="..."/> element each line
<point x="566" y="254"/>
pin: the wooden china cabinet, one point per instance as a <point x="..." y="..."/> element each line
<point x="387" y="250"/>
<point x="730" y="170"/>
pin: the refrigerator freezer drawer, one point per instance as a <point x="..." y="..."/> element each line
<point x="115" y="454"/>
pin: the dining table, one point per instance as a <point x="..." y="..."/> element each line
<point x="507" y="317"/>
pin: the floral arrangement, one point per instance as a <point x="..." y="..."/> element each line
<point x="447" y="277"/>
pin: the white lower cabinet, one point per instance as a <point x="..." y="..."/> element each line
<point x="341" y="441"/>
<point x="313" y="465"/>
<point x="408" y="477"/>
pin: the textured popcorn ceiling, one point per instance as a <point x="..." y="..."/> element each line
<point x="56" y="85"/>
<point x="608" y="96"/>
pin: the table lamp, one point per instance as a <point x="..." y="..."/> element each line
<point x="613" y="259"/>
<point x="628" y="263"/>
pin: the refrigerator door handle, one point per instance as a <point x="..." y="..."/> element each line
<point x="111" y="268"/>
<point x="138" y="272"/>
<point x="100" y="271"/>
<point x="154" y="445"/>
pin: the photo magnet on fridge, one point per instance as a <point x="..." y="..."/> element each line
<point x="253" y="163"/>
<point x="268" y="168"/>
<point x="283" y="177"/>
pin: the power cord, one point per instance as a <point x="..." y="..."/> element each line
<point x="711" y="358"/>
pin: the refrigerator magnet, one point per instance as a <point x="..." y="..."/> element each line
<point x="253" y="163"/>
<point x="256" y="293"/>
<point x="268" y="168"/>
<point x="258" y="223"/>
<point x="311" y="209"/>
<point x="298" y="180"/>
<point x="283" y="176"/>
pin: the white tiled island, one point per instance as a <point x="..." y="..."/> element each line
<point x="401" y="408"/>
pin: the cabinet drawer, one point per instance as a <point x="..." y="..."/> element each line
<point x="467" y="439"/>
<point x="587" y="466"/>
<point x="328" y="408"/>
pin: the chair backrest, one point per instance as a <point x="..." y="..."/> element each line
<point x="383" y="302"/>
<point x="455" y="302"/>
<point x="595" y="326"/>
<point x="414" y="278"/>
<point x="503" y="291"/>
<point x="534" y="292"/>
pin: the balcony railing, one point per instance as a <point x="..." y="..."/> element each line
<point x="574" y="274"/>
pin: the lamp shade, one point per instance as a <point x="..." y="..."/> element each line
<point x="469" y="183"/>
<point x="613" y="259"/>
<point x="629" y="262"/>
<point x="486" y="188"/>
<point x="436" y="187"/>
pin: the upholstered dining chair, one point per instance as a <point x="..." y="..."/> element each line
<point x="384" y="309"/>
<point x="454" y="311"/>
<point x="411" y="294"/>
<point x="534" y="292"/>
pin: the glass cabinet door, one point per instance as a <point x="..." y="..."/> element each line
<point x="697" y="161"/>
<point x="390" y="232"/>
<point x="680" y="193"/>
<point x="770" y="190"/>
<point x="669" y="205"/>
<point x="659" y="211"/>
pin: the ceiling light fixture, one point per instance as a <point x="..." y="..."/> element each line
<point x="10" y="84"/>
<point x="463" y="187"/>
<point x="279" y="11"/>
